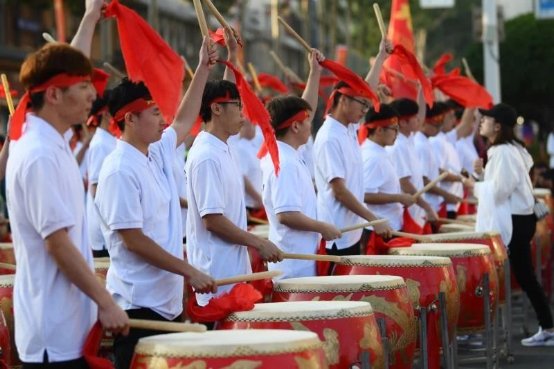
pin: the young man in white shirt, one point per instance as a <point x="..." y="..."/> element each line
<point x="57" y="297"/>
<point x="405" y="158"/>
<point x="102" y="144"/>
<point x="289" y="197"/>
<point x="217" y="239"/>
<point x="138" y="203"/>
<point x="338" y="174"/>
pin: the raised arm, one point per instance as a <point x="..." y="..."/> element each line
<point x="372" y="78"/>
<point x="465" y="128"/>
<point x="312" y="85"/>
<point x="190" y="104"/>
<point x="85" y="32"/>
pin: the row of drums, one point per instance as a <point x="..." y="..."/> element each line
<point x="332" y="321"/>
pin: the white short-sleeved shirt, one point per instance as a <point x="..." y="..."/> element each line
<point x="380" y="177"/>
<point x="247" y="152"/>
<point x="214" y="187"/>
<point x="307" y="153"/>
<point x="448" y="160"/>
<point x="181" y="181"/>
<point x="467" y="152"/>
<point x="337" y="155"/>
<point x="291" y="191"/>
<point x="83" y="167"/>
<point x="429" y="166"/>
<point x="139" y="191"/>
<point x="101" y="145"/>
<point x="45" y="194"/>
<point x="407" y="164"/>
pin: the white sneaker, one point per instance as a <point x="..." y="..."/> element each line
<point x="541" y="338"/>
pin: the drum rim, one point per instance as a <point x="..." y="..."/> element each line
<point x="359" y="310"/>
<point x="165" y="349"/>
<point x="438" y="237"/>
<point x="428" y="262"/>
<point x="474" y="250"/>
<point x="7" y="280"/>
<point x="286" y="285"/>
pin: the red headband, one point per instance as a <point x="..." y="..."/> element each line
<point x="347" y="91"/>
<point x="93" y="119"/>
<point x="99" y="79"/>
<point x="435" y="120"/>
<point x="298" y="117"/>
<point x="364" y="128"/>
<point x="135" y="106"/>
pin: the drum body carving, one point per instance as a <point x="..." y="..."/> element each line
<point x="388" y="296"/>
<point x="346" y="328"/>
<point x="231" y="349"/>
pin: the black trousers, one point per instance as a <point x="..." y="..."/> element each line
<point x="79" y="363"/>
<point x="519" y="251"/>
<point x="351" y="250"/>
<point x="124" y="346"/>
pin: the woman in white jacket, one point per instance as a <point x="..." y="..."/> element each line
<point x="506" y="204"/>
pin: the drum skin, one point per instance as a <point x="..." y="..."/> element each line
<point x="388" y="296"/>
<point x="470" y="262"/>
<point x="346" y="328"/>
<point x="425" y="277"/>
<point x="231" y="349"/>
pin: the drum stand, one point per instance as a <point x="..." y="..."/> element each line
<point x="506" y="316"/>
<point x="489" y="351"/>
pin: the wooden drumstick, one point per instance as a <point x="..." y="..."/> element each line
<point x="455" y="221"/>
<point x="417" y="237"/>
<point x="48" y="38"/>
<point x="254" y="75"/>
<point x="187" y="67"/>
<point x="472" y="201"/>
<point x="363" y="225"/>
<point x="257" y="220"/>
<point x="166" y="326"/>
<point x="295" y="35"/>
<point x="316" y="257"/>
<point x="217" y="14"/>
<point x="113" y="70"/>
<point x="201" y="18"/>
<point x="248" y="277"/>
<point x="467" y="69"/>
<point x="430" y="185"/>
<point x="380" y="21"/>
<point x="7" y="266"/>
<point x="278" y="61"/>
<point x="8" y="93"/>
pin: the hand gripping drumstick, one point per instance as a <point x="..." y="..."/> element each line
<point x="430" y="185"/>
<point x="166" y="326"/>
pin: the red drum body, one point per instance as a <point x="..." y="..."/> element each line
<point x="6" y="253"/>
<point x="6" y="305"/>
<point x="388" y="296"/>
<point x="346" y="328"/>
<point x="470" y="262"/>
<point x="425" y="277"/>
<point x="259" y="349"/>
<point x="490" y="239"/>
<point x="5" y="341"/>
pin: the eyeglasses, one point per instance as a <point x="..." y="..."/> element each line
<point x="237" y="103"/>
<point x="393" y="128"/>
<point x="365" y="105"/>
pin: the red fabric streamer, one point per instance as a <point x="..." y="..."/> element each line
<point x="463" y="90"/>
<point x="271" y="81"/>
<point x="409" y="224"/>
<point x="412" y="70"/>
<point x="322" y="267"/>
<point x="241" y="297"/>
<point x="439" y="67"/>
<point x="218" y="36"/>
<point x="376" y="245"/>
<point x="91" y="347"/>
<point x="148" y="58"/>
<point x="256" y="112"/>
<point x="354" y="81"/>
<point x="98" y="78"/>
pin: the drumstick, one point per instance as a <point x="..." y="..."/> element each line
<point x="363" y="225"/>
<point x="248" y="277"/>
<point x="8" y="93"/>
<point x="257" y="220"/>
<point x="254" y="77"/>
<point x="187" y="67"/>
<point x="7" y="266"/>
<point x="414" y="236"/>
<point x="278" y="61"/>
<point x="295" y="35"/>
<point x="217" y="14"/>
<point x="201" y="18"/>
<point x="467" y="69"/>
<point x="380" y="21"/>
<point x="455" y="221"/>
<point x="316" y="257"/>
<point x="113" y="70"/>
<point x="430" y="185"/>
<point x="48" y="38"/>
<point x="471" y="201"/>
<point x="166" y="326"/>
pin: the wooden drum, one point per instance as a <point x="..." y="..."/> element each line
<point x="425" y="276"/>
<point x="245" y="349"/>
<point x="6" y="345"/>
<point x="6" y="305"/>
<point x="490" y="239"/>
<point x="346" y="328"/>
<point x="453" y="227"/>
<point x="6" y="253"/>
<point x="388" y="296"/>
<point x="471" y="262"/>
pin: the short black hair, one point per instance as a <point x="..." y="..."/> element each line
<point x="386" y="111"/>
<point x="100" y="103"/>
<point x="337" y="95"/>
<point x="125" y="93"/>
<point x="282" y="108"/>
<point x="405" y="107"/>
<point x="213" y="90"/>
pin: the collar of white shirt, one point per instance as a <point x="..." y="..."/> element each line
<point x="47" y="132"/>
<point x="132" y="151"/>
<point x="371" y="145"/>
<point x="287" y="149"/>
<point x="102" y="133"/>
<point x="212" y="140"/>
<point x="336" y="126"/>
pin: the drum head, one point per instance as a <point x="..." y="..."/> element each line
<point x="6" y="245"/>
<point x="442" y="249"/>
<point x="340" y="283"/>
<point x="7" y="280"/>
<point x="228" y="343"/>
<point x="446" y="228"/>
<point x="541" y="192"/>
<point x="396" y="261"/>
<point x="101" y="263"/>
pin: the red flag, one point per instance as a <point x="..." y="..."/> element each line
<point x="463" y="90"/>
<point x="91" y="347"/>
<point x="271" y="81"/>
<point x="411" y="69"/>
<point x="13" y="93"/>
<point x="218" y="36"/>
<point x="148" y="58"/>
<point x="439" y="67"/>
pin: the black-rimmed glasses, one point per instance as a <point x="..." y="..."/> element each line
<point x="365" y="105"/>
